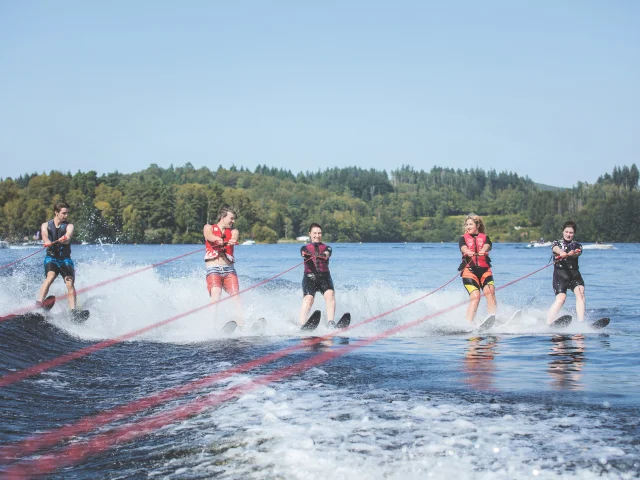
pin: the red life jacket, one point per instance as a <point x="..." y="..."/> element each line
<point x="214" y="250"/>
<point x="475" y="244"/>
<point x="316" y="264"/>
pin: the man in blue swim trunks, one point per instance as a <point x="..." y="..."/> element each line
<point x="56" y="234"/>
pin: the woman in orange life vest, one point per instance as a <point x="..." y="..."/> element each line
<point x="220" y="239"/>
<point x="476" y="265"/>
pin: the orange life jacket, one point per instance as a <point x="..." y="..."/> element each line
<point x="213" y="250"/>
<point x="475" y="244"/>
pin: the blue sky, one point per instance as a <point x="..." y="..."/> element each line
<point x="547" y="89"/>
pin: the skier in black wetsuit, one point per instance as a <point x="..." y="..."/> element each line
<point x="566" y="273"/>
<point x="317" y="277"/>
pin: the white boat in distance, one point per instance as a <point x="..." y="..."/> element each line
<point x="248" y="242"/>
<point x="598" y="246"/>
<point x="538" y="244"/>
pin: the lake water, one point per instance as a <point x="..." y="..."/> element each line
<point x="378" y="401"/>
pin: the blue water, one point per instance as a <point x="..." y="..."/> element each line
<point x="431" y="401"/>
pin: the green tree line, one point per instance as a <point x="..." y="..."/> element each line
<point x="171" y="205"/>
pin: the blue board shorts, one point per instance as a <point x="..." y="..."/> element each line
<point x="62" y="266"/>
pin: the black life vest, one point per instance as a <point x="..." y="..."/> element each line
<point x="58" y="250"/>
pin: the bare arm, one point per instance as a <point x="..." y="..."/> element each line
<point x="467" y="252"/>
<point x="559" y="252"/>
<point x="234" y="237"/>
<point x="68" y="234"/>
<point x="44" y="233"/>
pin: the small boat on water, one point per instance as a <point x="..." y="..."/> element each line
<point x="538" y="244"/>
<point x="248" y="242"/>
<point x="598" y="246"/>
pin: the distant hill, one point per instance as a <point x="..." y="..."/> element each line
<point x="542" y="186"/>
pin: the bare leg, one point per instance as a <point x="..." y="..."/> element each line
<point x="71" y="292"/>
<point x="44" y="288"/>
<point x="330" y="299"/>
<point x="238" y="314"/>
<point x="307" y="303"/>
<point x="490" y="294"/>
<point x="555" y="308"/>
<point x="474" y="300"/>
<point x="581" y="303"/>
<point x="214" y="296"/>
<point x="232" y="287"/>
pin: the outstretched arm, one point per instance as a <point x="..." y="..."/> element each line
<point x="68" y="234"/>
<point x="207" y="231"/>
<point x="577" y="250"/>
<point x="467" y="252"/>
<point x="559" y="252"/>
<point x="44" y="234"/>
<point x="485" y="249"/>
<point x="234" y="237"/>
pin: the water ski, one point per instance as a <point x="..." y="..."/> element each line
<point x="49" y="302"/>
<point x="344" y="321"/>
<point x="600" y="323"/>
<point x="259" y="326"/>
<point x="561" y="322"/>
<point x="514" y="318"/>
<point x="229" y="327"/>
<point x="79" y="316"/>
<point x="312" y="322"/>
<point x="486" y="325"/>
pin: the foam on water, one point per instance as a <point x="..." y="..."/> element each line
<point x="308" y="428"/>
<point x="151" y="296"/>
<point x="517" y="402"/>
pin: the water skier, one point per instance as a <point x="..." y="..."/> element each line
<point x="566" y="273"/>
<point x="317" y="277"/>
<point x="56" y="236"/>
<point x="476" y="266"/>
<point x="220" y="238"/>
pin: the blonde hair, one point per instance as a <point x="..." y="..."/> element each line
<point x="477" y="219"/>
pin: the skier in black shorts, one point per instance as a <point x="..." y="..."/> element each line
<point x="566" y="274"/>
<point x="56" y="235"/>
<point x="317" y="277"/>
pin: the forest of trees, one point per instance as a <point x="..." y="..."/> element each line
<point x="171" y="205"/>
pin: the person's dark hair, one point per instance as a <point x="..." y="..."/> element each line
<point x="314" y="225"/>
<point x="224" y="210"/>
<point x="59" y="206"/>
<point x="571" y="224"/>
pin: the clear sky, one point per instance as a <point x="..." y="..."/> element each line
<point x="548" y="89"/>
